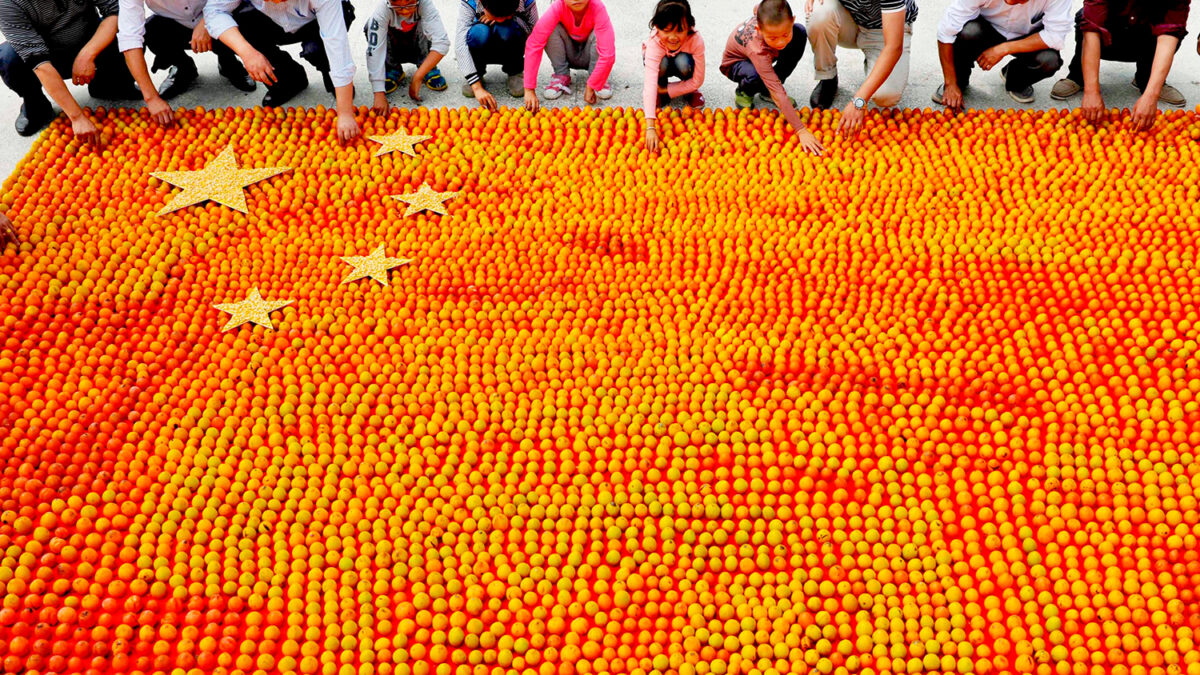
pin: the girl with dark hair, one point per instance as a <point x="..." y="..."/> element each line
<point x="673" y="50"/>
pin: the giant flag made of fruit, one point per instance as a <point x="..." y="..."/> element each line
<point x="504" y="393"/>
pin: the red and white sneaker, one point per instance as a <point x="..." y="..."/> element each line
<point x="560" y="85"/>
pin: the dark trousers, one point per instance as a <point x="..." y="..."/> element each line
<point x="1135" y="44"/>
<point x="267" y="37"/>
<point x="681" y="66"/>
<point x="1024" y="70"/>
<point x="406" y="47"/>
<point x="748" y="79"/>
<point x="170" y="41"/>
<point x="501" y="43"/>
<point x="112" y="80"/>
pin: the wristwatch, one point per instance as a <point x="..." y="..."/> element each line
<point x="859" y="103"/>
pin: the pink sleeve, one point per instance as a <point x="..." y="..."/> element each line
<point x="536" y="43"/>
<point x="606" y="46"/>
<point x="685" y="87"/>
<point x="652" y="53"/>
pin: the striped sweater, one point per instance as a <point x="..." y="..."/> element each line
<point x="469" y="13"/>
<point x="36" y="28"/>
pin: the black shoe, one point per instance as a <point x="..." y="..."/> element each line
<point x="179" y="79"/>
<point x="285" y="90"/>
<point x="238" y="77"/>
<point x="28" y="125"/>
<point x="823" y="94"/>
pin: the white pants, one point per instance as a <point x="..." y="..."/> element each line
<point x="830" y="26"/>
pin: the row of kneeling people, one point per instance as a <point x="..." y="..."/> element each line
<point x="102" y="43"/>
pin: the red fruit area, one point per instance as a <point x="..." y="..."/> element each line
<point x="926" y="404"/>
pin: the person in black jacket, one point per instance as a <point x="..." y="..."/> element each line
<point x="51" y="40"/>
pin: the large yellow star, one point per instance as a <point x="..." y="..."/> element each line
<point x="253" y="309"/>
<point x="426" y="199"/>
<point x="400" y="141"/>
<point x="221" y="181"/>
<point x="375" y="266"/>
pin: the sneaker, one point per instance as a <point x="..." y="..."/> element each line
<point x="1169" y="96"/>
<point x="604" y="93"/>
<point x="286" y="89"/>
<point x="394" y="80"/>
<point x="768" y="101"/>
<point x="823" y="94"/>
<point x="743" y="100"/>
<point x="467" y="91"/>
<point x="560" y="85"/>
<point x="1023" y="96"/>
<point x="30" y="122"/>
<point x="436" y="81"/>
<point x="695" y="99"/>
<point x="178" y="80"/>
<point x="937" y="95"/>
<point x="516" y="85"/>
<point x="1065" y="89"/>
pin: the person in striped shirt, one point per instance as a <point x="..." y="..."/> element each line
<point x="882" y="31"/>
<point x="493" y="32"/>
<point x="400" y="32"/>
<point x="49" y="41"/>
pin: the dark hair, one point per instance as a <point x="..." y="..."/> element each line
<point x="774" y="12"/>
<point x="673" y="14"/>
<point x="501" y="8"/>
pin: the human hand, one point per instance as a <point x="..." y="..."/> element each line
<point x="589" y="96"/>
<point x="1092" y="106"/>
<point x="531" y="101"/>
<point x="8" y="232"/>
<point x="808" y="6"/>
<point x="952" y="98"/>
<point x="652" y="143"/>
<point x="380" y="105"/>
<point x="201" y="40"/>
<point x="852" y="121"/>
<point x="484" y="97"/>
<point x="414" y="88"/>
<point x="259" y="68"/>
<point x="810" y="143"/>
<point x="990" y="57"/>
<point x="347" y="127"/>
<point x="160" y="111"/>
<point x="85" y="129"/>
<point x="1144" y="112"/>
<point x="83" y="70"/>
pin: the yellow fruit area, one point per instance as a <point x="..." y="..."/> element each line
<point x="926" y="404"/>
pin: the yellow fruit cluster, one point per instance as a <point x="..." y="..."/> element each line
<point x="927" y="404"/>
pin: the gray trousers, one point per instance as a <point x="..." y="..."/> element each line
<point x="566" y="53"/>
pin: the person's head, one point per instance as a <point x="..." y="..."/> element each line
<point x="674" y="22"/>
<point x="499" y="10"/>
<point x="577" y="6"/>
<point x="775" y="22"/>
<point x="404" y="8"/>
<point x="1015" y="2"/>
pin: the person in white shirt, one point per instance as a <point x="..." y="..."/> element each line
<point x="985" y="32"/>
<point x="175" y="26"/>
<point x="255" y="30"/>
<point x="400" y="32"/>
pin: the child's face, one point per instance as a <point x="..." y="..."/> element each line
<point x="404" y="8"/>
<point x="777" y="36"/>
<point x="672" y="37"/>
<point x="576" y="5"/>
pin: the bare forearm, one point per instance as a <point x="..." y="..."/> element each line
<point x="888" y="58"/>
<point x="136" y="60"/>
<point x="345" y="99"/>
<point x="1164" y="56"/>
<point x="53" y="83"/>
<point x="946" y="56"/>
<point x="105" y="33"/>
<point x="1032" y="43"/>
<point x="1090" y="61"/>
<point x="427" y="65"/>
<point x="233" y="39"/>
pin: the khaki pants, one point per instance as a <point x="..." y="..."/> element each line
<point x="830" y="26"/>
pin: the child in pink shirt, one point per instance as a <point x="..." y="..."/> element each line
<point x="674" y="49"/>
<point x="574" y="34"/>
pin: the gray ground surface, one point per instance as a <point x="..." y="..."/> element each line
<point x="716" y="18"/>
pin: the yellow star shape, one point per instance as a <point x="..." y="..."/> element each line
<point x="221" y="181"/>
<point x="426" y="199"/>
<point x="253" y="309"/>
<point x="375" y="266"/>
<point x="400" y="141"/>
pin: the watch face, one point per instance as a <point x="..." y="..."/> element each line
<point x="860" y="103"/>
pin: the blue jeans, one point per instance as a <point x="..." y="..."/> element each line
<point x="748" y="79"/>
<point x="682" y="66"/>
<point x="112" y="75"/>
<point x="502" y="43"/>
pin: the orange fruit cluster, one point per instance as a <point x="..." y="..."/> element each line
<point x="927" y="404"/>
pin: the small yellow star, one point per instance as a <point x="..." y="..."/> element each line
<point x="426" y="199"/>
<point x="253" y="309"/>
<point x="375" y="266"/>
<point x="221" y="181"/>
<point x="399" y="141"/>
